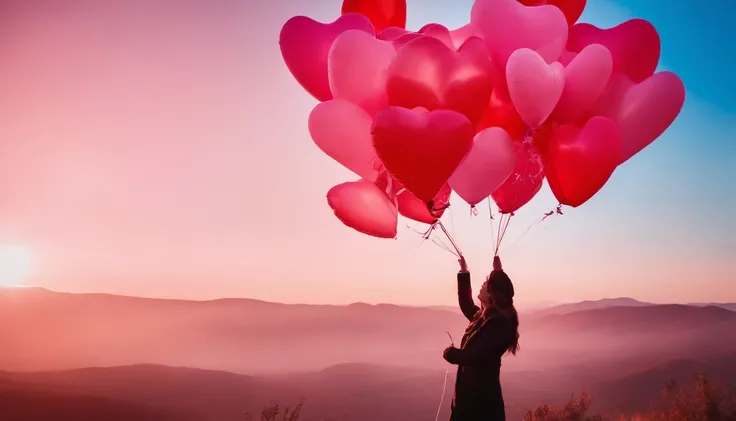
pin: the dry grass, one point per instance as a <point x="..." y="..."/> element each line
<point x="702" y="401"/>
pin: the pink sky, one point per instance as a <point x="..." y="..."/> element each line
<point x="162" y="150"/>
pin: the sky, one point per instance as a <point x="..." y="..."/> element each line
<point x="160" y="149"/>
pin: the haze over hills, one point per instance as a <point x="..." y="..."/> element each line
<point x="368" y="361"/>
<point x="52" y="330"/>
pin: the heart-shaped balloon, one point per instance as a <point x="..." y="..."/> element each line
<point x="501" y="113"/>
<point x="358" y="65"/>
<point x="391" y="33"/>
<point x="567" y="57"/>
<point x="421" y="149"/>
<point x="363" y="206"/>
<point x="413" y="208"/>
<point x="434" y="30"/>
<point x="426" y="73"/>
<point x="572" y="9"/>
<point x="580" y="161"/>
<point x="634" y="45"/>
<point x="534" y="86"/>
<point x="382" y="13"/>
<point x="586" y="77"/>
<point x="524" y="183"/>
<point x="305" y="45"/>
<point x="507" y="25"/>
<point x="643" y="111"/>
<point x="461" y="34"/>
<point x="343" y="131"/>
<point x="488" y="164"/>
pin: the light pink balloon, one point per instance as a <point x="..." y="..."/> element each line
<point x="461" y="34"/>
<point x="357" y="65"/>
<point x="643" y="111"/>
<point x="305" y="44"/>
<point x="488" y="164"/>
<point x="586" y="77"/>
<point x="507" y="25"/>
<point x="343" y="131"/>
<point x="534" y="86"/>
<point x="363" y="206"/>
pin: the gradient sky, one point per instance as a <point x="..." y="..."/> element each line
<point x="160" y="148"/>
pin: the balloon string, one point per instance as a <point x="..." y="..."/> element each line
<point x="502" y="226"/>
<point x="442" y="398"/>
<point x="449" y="237"/>
<point x="436" y="241"/>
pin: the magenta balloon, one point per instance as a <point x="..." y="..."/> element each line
<point x="525" y="180"/>
<point x="461" y="34"/>
<point x="343" y="131"/>
<point x="488" y="164"/>
<point x="534" y="86"/>
<point x="586" y="77"/>
<point x="391" y="33"/>
<point x="507" y="25"/>
<point x="357" y="65"/>
<point x="642" y="111"/>
<point x="305" y="44"/>
<point x="363" y="206"/>
<point x="634" y="45"/>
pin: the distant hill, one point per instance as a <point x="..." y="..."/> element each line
<point x="53" y="331"/>
<point x="592" y="305"/>
<point x="641" y="391"/>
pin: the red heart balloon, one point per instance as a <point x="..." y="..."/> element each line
<point x="421" y="149"/>
<point x="634" y="45"/>
<point x="427" y="73"/>
<point x="572" y="9"/>
<point x="579" y="162"/>
<point x="413" y="208"/>
<point x="524" y="182"/>
<point x="382" y="13"/>
<point x="502" y="114"/>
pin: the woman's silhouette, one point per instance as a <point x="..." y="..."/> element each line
<point x="493" y="331"/>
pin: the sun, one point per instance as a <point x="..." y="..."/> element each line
<point x="15" y="265"/>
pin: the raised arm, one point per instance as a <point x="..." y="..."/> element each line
<point x="465" y="292"/>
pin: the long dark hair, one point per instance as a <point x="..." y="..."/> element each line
<point x="502" y="290"/>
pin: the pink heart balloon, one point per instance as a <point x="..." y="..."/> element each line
<point x="567" y="57"/>
<point x="363" y="206"/>
<point x="643" y="111"/>
<point x="488" y="164"/>
<point x="343" y="131"/>
<point x="391" y="33"/>
<point x="434" y="30"/>
<point x="634" y="45"/>
<point x="461" y="34"/>
<point x="535" y="87"/>
<point x="426" y="73"/>
<point x="507" y="25"/>
<point x="586" y="77"/>
<point x="358" y="64"/>
<point x="413" y="208"/>
<point x="305" y="45"/>
<point x="580" y="161"/>
<point x="525" y="180"/>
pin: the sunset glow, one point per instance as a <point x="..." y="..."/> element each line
<point x="15" y="265"/>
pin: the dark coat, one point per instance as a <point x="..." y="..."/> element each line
<point x="478" y="395"/>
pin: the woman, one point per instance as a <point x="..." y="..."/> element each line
<point x="493" y="331"/>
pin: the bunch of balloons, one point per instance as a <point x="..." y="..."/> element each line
<point x="519" y="94"/>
